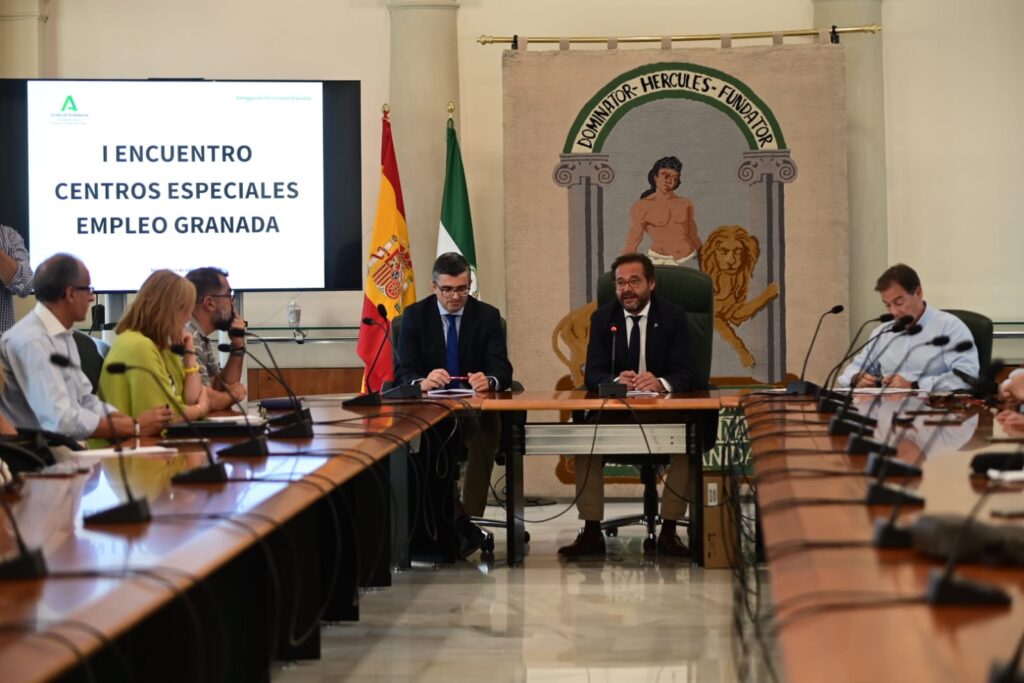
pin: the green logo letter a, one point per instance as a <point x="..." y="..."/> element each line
<point x="69" y="103"/>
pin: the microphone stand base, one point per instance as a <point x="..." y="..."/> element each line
<point x="29" y="565"/>
<point x="403" y="391"/>
<point x="611" y="390"/>
<point x="861" y="445"/>
<point x="1006" y="673"/>
<point x="948" y="589"/>
<point x="363" y="400"/>
<point x="802" y="388"/>
<point x="213" y="473"/>
<point x="837" y="426"/>
<point x="892" y="466"/>
<point x="298" y="430"/>
<point x="884" y="494"/>
<point x="256" y="447"/>
<point x="134" y="511"/>
<point x="888" y="535"/>
<point x="302" y="415"/>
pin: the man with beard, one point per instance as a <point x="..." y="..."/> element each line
<point x="652" y="353"/>
<point x="215" y="310"/>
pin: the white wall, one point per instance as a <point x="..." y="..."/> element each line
<point x="954" y="93"/>
<point x="954" y="152"/>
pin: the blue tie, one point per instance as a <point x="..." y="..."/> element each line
<point x="452" y="347"/>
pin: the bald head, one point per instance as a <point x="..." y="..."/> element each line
<point x="54" y="275"/>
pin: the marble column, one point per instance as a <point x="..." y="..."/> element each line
<point x="424" y="78"/>
<point x="22" y="24"/>
<point x="865" y="131"/>
<point x="585" y="177"/>
<point x="766" y="173"/>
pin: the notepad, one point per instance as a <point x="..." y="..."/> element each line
<point x="451" y="393"/>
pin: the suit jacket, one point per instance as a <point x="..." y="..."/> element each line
<point x="667" y="347"/>
<point x="482" y="348"/>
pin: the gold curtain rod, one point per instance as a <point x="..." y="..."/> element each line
<point x="834" y="31"/>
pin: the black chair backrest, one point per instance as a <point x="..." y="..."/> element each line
<point x="91" y="351"/>
<point x="981" y="329"/>
<point x="693" y="291"/>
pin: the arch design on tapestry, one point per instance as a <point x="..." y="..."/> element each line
<point x="734" y="166"/>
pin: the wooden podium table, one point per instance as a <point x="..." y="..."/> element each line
<point x="695" y="404"/>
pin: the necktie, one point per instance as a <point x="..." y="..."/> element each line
<point x="452" y="347"/>
<point x="633" y="348"/>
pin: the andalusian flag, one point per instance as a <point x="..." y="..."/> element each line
<point x="389" y="279"/>
<point x="456" y="231"/>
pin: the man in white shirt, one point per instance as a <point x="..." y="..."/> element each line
<point x="907" y="362"/>
<point x="39" y="394"/>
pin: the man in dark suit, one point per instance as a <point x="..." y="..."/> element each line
<point x="652" y="353"/>
<point x="452" y="340"/>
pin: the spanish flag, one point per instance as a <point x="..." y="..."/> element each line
<point x="389" y="277"/>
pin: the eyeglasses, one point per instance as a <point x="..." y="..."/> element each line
<point x="452" y="291"/>
<point x="84" y="288"/>
<point x="230" y="294"/>
<point x="631" y="283"/>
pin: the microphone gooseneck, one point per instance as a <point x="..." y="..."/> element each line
<point x="832" y="311"/>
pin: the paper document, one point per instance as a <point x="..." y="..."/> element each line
<point x="451" y="393"/>
<point x="653" y="394"/>
<point x="111" y="453"/>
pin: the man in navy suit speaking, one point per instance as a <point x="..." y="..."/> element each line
<point x="651" y="353"/>
<point x="448" y="340"/>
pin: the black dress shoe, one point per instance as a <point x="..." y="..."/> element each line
<point x="586" y="543"/>
<point x="471" y="537"/>
<point x="670" y="545"/>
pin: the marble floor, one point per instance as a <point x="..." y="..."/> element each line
<point x="625" y="618"/>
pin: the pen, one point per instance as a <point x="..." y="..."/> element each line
<point x="460" y="377"/>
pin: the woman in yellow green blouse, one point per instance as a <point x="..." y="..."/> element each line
<point x="154" y="322"/>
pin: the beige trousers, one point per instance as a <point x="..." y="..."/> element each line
<point x="481" y="437"/>
<point x="590" y="487"/>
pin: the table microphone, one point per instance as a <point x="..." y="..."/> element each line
<point x="858" y="443"/>
<point x="1010" y="672"/>
<point x="299" y="422"/>
<point x="132" y="511"/>
<point x="887" y="534"/>
<point x="612" y="389"/>
<point x="295" y="425"/>
<point x="944" y="587"/>
<point x="884" y="318"/>
<point x="28" y="563"/>
<point x="801" y="387"/>
<point x="843" y="421"/>
<point x="211" y="473"/>
<point x="984" y="385"/>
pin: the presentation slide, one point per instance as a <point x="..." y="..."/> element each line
<point x="133" y="176"/>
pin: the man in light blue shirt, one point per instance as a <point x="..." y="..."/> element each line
<point x="39" y="394"/>
<point x="928" y="368"/>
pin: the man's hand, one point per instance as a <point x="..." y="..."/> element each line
<point x="647" y="382"/>
<point x="187" y="341"/>
<point x="896" y="382"/>
<point x="867" y="380"/>
<point x="478" y="382"/>
<point x="437" y="379"/>
<point x="628" y="378"/>
<point x="236" y="391"/>
<point x="1012" y="422"/>
<point x="237" y="324"/>
<point x="153" y="421"/>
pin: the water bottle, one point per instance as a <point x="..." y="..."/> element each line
<point x="294" y="313"/>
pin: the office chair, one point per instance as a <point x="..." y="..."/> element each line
<point x="91" y="351"/>
<point x="981" y="329"/>
<point x="693" y="291"/>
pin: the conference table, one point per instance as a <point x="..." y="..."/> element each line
<point x="241" y="572"/>
<point x="852" y="612"/>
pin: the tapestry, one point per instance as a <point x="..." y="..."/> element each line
<point x="731" y="161"/>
